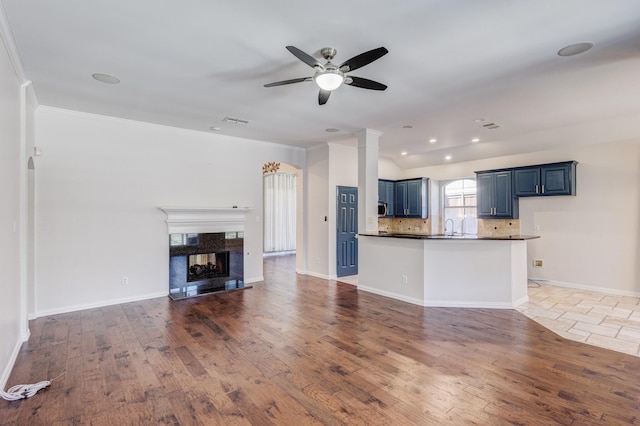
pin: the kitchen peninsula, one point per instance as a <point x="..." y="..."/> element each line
<point x="445" y="271"/>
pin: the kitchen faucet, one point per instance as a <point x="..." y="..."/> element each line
<point x="445" y="226"/>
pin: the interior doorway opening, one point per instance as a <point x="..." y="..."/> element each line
<point x="281" y="193"/>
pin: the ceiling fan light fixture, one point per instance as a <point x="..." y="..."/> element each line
<point x="329" y="79"/>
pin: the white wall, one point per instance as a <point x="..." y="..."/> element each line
<point x="591" y="240"/>
<point x="10" y="302"/>
<point x="387" y="169"/>
<point x="99" y="184"/>
<point x="317" y="209"/>
<point x="343" y="171"/>
<point x="328" y="165"/>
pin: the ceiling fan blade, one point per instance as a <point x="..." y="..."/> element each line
<point x="363" y="59"/>
<point x="323" y="96"/>
<point x="364" y="83"/>
<point x="293" y="80"/>
<point x="304" y="57"/>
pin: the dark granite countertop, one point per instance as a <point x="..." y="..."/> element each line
<point x="450" y="237"/>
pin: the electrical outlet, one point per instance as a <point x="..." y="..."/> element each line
<point x="537" y="263"/>
<point x="125" y="280"/>
<point x="404" y="279"/>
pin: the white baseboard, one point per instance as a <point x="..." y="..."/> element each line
<point x="396" y="296"/>
<point x="445" y="303"/>
<point x="253" y="280"/>
<point x="9" y="367"/>
<point x="318" y="275"/>
<point x="82" y="307"/>
<point x="606" y="290"/>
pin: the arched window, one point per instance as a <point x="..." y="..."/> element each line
<point x="459" y="206"/>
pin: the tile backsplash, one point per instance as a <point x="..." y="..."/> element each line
<point x="486" y="227"/>
<point x="405" y="225"/>
<point x="498" y="227"/>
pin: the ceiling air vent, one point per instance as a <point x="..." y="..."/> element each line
<point x="235" y="121"/>
<point x="491" y="126"/>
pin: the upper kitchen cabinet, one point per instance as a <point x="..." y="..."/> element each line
<point x="386" y="194"/>
<point x="411" y="198"/>
<point x="495" y="195"/>
<point x="545" y="180"/>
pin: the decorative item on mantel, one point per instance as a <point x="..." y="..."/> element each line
<point x="271" y="167"/>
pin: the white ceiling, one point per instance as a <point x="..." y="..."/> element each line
<point x="190" y="63"/>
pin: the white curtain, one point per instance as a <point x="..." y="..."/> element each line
<point x="279" y="212"/>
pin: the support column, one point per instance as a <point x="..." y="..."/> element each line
<point x="368" y="180"/>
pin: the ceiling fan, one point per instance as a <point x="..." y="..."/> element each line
<point x="329" y="77"/>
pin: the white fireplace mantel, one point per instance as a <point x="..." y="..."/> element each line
<point x="183" y="220"/>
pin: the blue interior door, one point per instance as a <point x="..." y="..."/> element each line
<point x="347" y="228"/>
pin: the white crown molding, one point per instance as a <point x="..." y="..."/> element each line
<point x="14" y="56"/>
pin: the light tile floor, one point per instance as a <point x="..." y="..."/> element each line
<point x="598" y="319"/>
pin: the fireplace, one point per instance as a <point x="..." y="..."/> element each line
<point x="204" y="266"/>
<point x="206" y="251"/>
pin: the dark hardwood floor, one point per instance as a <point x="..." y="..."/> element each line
<point x="297" y="350"/>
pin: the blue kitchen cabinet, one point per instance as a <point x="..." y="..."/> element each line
<point x="412" y="198"/>
<point x="386" y="194"/>
<point x="495" y="195"/>
<point x="545" y="180"/>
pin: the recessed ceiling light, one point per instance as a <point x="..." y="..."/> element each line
<point x="106" y="78"/>
<point x="407" y="126"/>
<point x="215" y="129"/>
<point x="474" y="140"/>
<point x="447" y="157"/>
<point x="403" y="153"/>
<point x="331" y="130"/>
<point x="575" y="49"/>
<point x="433" y="140"/>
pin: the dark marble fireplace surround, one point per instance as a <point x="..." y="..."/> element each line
<point x="218" y="242"/>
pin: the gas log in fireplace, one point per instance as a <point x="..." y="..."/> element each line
<point x="207" y="265"/>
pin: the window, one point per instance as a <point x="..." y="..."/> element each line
<point x="279" y="212"/>
<point x="183" y="240"/>
<point x="233" y="235"/>
<point x="459" y="205"/>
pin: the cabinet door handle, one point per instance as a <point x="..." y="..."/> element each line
<point x="543" y="189"/>
<point x="536" y="189"/>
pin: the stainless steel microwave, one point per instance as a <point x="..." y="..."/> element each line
<point x="382" y="209"/>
